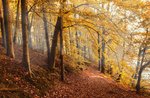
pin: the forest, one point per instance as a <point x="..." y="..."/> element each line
<point x="74" y="48"/>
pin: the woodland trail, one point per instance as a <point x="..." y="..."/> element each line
<point x="91" y="84"/>
<point x="85" y="84"/>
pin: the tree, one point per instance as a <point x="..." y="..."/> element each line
<point x="61" y="40"/>
<point x="8" y="28"/>
<point x="17" y="23"/>
<point x="99" y="51"/>
<point x="61" y="50"/>
<point x="26" y="59"/>
<point x="30" y="23"/>
<point x="143" y="60"/>
<point x="77" y="42"/>
<point x="140" y="76"/>
<point x="54" y="43"/>
<point x="2" y="28"/>
<point x="103" y="52"/>
<point x="46" y="35"/>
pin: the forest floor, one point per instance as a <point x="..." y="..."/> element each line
<point x="89" y="83"/>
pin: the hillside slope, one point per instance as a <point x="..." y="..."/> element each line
<point x="14" y="81"/>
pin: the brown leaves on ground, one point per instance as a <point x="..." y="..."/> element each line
<point x="90" y="84"/>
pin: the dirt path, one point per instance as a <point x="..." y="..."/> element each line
<point x="90" y="84"/>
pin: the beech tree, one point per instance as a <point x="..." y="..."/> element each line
<point x="46" y="35"/>
<point x="8" y="28"/>
<point x="143" y="59"/>
<point x="2" y="28"/>
<point x="26" y="58"/>
<point x="103" y="53"/>
<point x="54" y="43"/>
<point x="17" y="23"/>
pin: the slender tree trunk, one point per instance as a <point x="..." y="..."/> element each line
<point x="8" y="28"/>
<point x="77" y="42"/>
<point x="141" y="61"/>
<point x="73" y="43"/>
<point x="54" y="43"/>
<point x="3" y="30"/>
<point x="17" y="23"/>
<point x="85" y="52"/>
<point x="103" y="52"/>
<point x="140" y="71"/>
<point x="26" y="59"/>
<point x="138" y="63"/>
<point x="65" y="47"/>
<point x="61" y="50"/>
<point x="138" y="81"/>
<point x="29" y="29"/>
<point x="123" y="52"/>
<point x="46" y="36"/>
<point x="140" y="76"/>
<point x="89" y="51"/>
<point x="99" y="54"/>
<point x="70" y="41"/>
<point x="61" y="41"/>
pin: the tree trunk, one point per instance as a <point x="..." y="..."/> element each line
<point x="54" y="43"/>
<point x="140" y="76"/>
<point x="141" y="70"/>
<point x="70" y="41"/>
<point x="3" y="30"/>
<point x="46" y="36"/>
<point x="8" y="28"/>
<point x="138" y="63"/>
<point x="99" y="55"/>
<point x="61" y="50"/>
<point x="138" y="81"/>
<point x="17" y="23"/>
<point x="103" y="52"/>
<point x="84" y="48"/>
<point x="123" y="52"/>
<point x="29" y="29"/>
<point x="77" y="42"/>
<point x="26" y="59"/>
